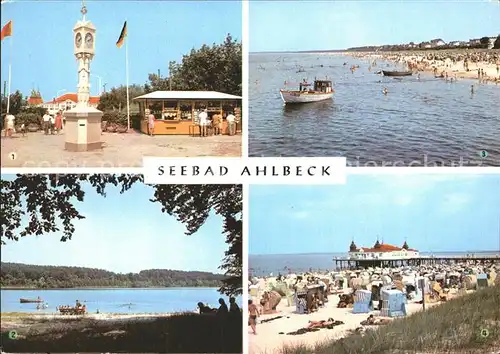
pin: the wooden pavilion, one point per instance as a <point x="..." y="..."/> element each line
<point x="176" y="112"/>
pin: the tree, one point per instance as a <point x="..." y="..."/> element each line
<point x="485" y="41"/>
<point x="497" y="43"/>
<point x="48" y="202"/>
<point x="210" y="68"/>
<point x="116" y="98"/>
<point x="17" y="101"/>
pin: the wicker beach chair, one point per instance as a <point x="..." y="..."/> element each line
<point x="362" y="301"/>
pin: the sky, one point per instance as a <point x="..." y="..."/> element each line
<point x="328" y="25"/>
<point x="433" y="213"/>
<point x="124" y="233"/>
<point x="158" y="32"/>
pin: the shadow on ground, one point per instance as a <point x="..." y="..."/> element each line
<point x="180" y="333"/>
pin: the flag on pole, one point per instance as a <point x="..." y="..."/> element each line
<point x="7" y="30"/>
<point x="123" y="34"/>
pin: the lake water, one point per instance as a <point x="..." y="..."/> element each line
<point x="421" y="122"/>
<point x="165" y="300"/>
<point x="263" y="265"/>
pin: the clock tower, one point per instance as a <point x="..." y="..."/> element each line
<point x="83" y="123"/>
<point x="84" y="48"/>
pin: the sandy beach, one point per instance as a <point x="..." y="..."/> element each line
<point x="453" y="63"/>
<point x="268" y="339"/>
<point x="361" y="300"/>
<point x="15" y="320"/>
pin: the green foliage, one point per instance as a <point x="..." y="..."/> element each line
<point x="39" y="111"/>
<point x="27" y="119"/>
<point x="210" y="68"/>
<point x="115" y="117"/>
<point x="496" y="45"/>
<point x="135" y="121"/>
<point x="48" y="201"/>
<point x="116" y="98"/>
<point x="35" y="276"/>
<point x="485" y="41"/>
<point x="17" y="101"/>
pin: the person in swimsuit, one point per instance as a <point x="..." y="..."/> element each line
<point x="253" y="313"/>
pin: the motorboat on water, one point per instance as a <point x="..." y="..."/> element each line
<point x="396" y="73"/>
<point x="30" y="301"/>
<point x="321" y="90"/>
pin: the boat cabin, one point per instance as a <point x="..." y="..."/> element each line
<point x="318" y="86"/>
<point x="323" y="86"/>
<point x="176" y="112"/>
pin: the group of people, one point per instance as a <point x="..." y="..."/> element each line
<point x="215" y="122"/>
<point x="52" y="124"/>
<point x="79" y="308"/>
<point x="223" y="310"/>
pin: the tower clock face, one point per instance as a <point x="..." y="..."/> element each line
<point x="78" y="40"/>
<point x="89" y="40"/>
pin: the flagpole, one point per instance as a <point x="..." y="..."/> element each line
<point x="128" y="97"/>
<point x="10" y="76"/>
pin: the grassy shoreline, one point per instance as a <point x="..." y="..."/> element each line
<point x="167" y="333"/>
<point x="456" y="326"/>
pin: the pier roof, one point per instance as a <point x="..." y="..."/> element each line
<point x="384" y="247"/>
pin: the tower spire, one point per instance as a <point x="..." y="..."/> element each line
<point x="83" y="10"/>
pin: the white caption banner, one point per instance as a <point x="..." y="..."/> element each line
<point x="255" y="170"/>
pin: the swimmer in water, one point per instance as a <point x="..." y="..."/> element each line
<point x="471" y="89"/>
<point x="385" y="91"/>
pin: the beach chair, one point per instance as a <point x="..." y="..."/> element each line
<point x="482" y="281"/>
<point x="393" y="303"/>
<point x="300" y="303"/>
<point x="362" y="301"/>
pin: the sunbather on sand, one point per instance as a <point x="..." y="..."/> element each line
<point x="320" y="324"/>
<point x="372" y="321"/>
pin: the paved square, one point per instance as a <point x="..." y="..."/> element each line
<point x="120" y="150"/>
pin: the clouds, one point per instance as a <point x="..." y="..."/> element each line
<point x="373" y="195"/>
<point x="434" y="212"/>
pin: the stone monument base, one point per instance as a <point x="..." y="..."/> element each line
<point x="83" y="129"/>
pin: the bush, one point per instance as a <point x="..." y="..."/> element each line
<point x="135" y="121"/>
<point x="27" y="119"/>
<point x="39" y="111"/>
<point x="115" y="117"/>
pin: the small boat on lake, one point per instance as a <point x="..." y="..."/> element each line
<point x="397" y="73"/>
<point x="322" y="90"/>
<point x="30" y="301"/>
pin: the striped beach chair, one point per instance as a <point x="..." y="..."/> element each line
<point x="362" y="301"/>
<point x="393" y="303"/>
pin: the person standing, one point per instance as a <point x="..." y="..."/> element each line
<point x="253" y="313"/>
<point x="9" y="124"/>
<point x="231" y="123"/>
<point x="217" y="123"/>
<point x="46" y="122"/>
<point x="52" y="124"/>
<point x="203" y="118"/>
<point x="58" y="122"/>
<point x="151" y="123"/>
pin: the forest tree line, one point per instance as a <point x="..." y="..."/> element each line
<point x="18" y="275"/>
